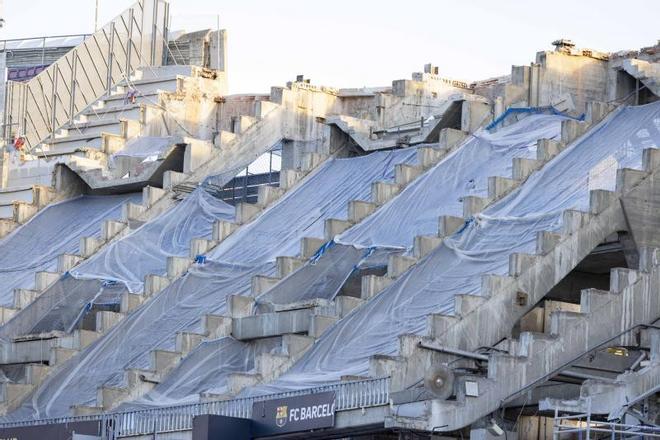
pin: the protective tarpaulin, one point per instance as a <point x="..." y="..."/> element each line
<point x="145" y="250"/>
<point x="440" y="191"/>
<point x="323" y="277"/>
<point x="55" y="230"/>
<point x="198" y="372"/>
<point x="145" y="146"/>
<point x="301" y="213"/>
<point x="483" y="247"/>
<point x="419" y="205"/>
<point x="203" y="290"/>
<point x="120" y="265"/>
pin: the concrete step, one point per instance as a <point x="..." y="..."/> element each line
<point x="200" y="246"/>
<point x="267" y="195"/>
<point x="448" y="225"/>
<point x="333" y="227"/>
<point x="151" y="195"/>
<point x="398" y="264"/>
<point x="222" y="229"/>
<point x="535" y="356"/>
<point x="155" y="283"/>
<point x="288" y="265"/>
<point x="424" y="245"/>
<point x="309" y="246"/>
<point x="358" y="210"/>
<point x="23" y="297"/>
<point x="427" y="157"/>
<point x="177" y="266"/>
<point x="111" y="229"/>
<point x="372" y="285"/>
<point x="262" y="283"/>
<point x="404" y="173"/>
<point x="246" y="212"/>
<point x="66" y="262"/>
<point x="43" y="280"/>
<point x="382" y="192"/>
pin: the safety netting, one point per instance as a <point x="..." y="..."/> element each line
<point x="251" y="250"/>
<point x="56" y="230"/>
<point x="482" y="247"/>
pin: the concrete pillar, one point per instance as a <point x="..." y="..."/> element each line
<point x="4" y="168"/>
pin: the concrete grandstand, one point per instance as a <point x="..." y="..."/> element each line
<point x="428" y="259"/>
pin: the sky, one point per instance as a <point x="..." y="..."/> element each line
<point x="356" y="43"/>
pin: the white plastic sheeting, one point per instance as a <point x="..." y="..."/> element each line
<point x="416" y="210"/>
<point x="439" y="192"/>
<point x="413" y="212"/>
<point x="483" y="247"/>
<point x="301" y="213"/>
<point x="145" y="146"/>
<point x="145" y="250"/>
<point x="251" y="250"/>
<point x="55" y="230"/>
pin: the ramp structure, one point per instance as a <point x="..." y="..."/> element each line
<point x="448" y="259"/>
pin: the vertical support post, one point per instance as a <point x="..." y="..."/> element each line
<point x="43" y="51"/>
<point x="53" y="104"/>
<point x="589" y="418"/>
<point x="111" y="52"/>
<point x="245" y="187"/>
<point x="129" y="46"/>
<point x="72" y="106"/>
<point x="6" y="117"/>
<point x="23" y="114"/>
<point x="270" y="168"/>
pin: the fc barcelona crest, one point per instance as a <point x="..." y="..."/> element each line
<point x="281" y="415"/>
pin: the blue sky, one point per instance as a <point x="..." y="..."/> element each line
<point x="357" y="43"/>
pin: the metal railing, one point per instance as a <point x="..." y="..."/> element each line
<point x="583" y="427"/>
<point x="348" y="395"/>
<point x="35" y="109"/>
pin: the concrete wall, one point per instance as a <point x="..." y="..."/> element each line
<point x="583" y="77"/>
<point x="231" y="107"/>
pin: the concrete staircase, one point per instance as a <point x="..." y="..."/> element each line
<point x="458" y="113"/>
<point x="313" y="317"/>
<point x="498" y="187"/>
<point x="647" y="73"/>
<point x="84" y="145"/>
<point x="615" y="397"/>
<point x="154" y="202"/>
<point x="139" y="382"/>
<point x="358" y="210"/>
<point x="256" y="139"/>
<point x="536" y="357"/>
<point x="484" y="320"/>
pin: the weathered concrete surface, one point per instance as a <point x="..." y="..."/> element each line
<point x="604" y="316"/>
